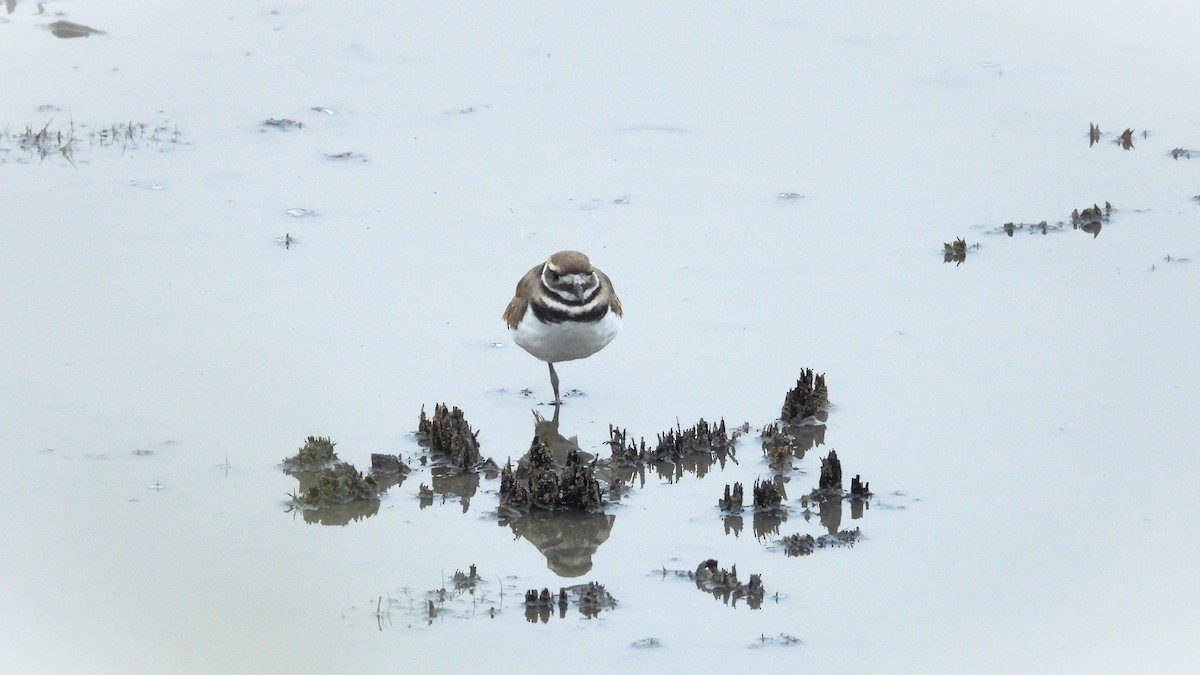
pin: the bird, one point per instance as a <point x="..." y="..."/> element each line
<point x="563" y="309"/>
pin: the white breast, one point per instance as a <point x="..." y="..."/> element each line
<point x="566" y="341"/>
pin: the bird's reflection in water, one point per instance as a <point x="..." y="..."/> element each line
<point x="567" y="538"/>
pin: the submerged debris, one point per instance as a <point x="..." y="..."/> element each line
<point x="645" y="643"/>
<point x="465" y="582"/>
<point x="783" y="640"/>
<point x="70" y="29"/>
<point x="281" y="123"/>
<point x="449" y="435"/>
<point x="796" y="545"/>
<point x="466" y="597"/>
<point x="66" y="139"/>
<point x="1042" y="227"/>
<point x="1176" y="153"/>
<point x="808" y="398"/>
<point x="591" y="598"/>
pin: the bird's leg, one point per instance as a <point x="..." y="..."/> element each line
<point x="554" y="384"/>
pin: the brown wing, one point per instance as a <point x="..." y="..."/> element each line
<point x="520" y="302"/>
<point x="615" y="303"/>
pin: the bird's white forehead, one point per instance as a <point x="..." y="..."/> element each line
<point x="577" y="279"/>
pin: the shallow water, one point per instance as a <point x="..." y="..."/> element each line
<point x="1025" y="418"/>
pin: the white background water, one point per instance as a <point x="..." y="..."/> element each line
<point x="1034" y="406"/>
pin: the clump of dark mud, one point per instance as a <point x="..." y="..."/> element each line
<point x="829" y="485"/>
<point x="733" y="499"/>
<point x="316" y="454"/>
<point x="807" y="400"/>
<point x="770" y="508"/>
<point x="724" y="584"/>
<point x="563" y="478"/>
<point x="327" y="481"/>
<point x="703" y="438"/>
<point x="776" y="447"/>
<point x="782" y="443"/>
<point x="956" y="251"/>
<point x="678" y="451"/>
<point x="591" y="599"/>
<point x="1091" y="219"/>
<point x="831" y="474"/>
<point x="339" y="483"/>
<point x="828" y="497"/>
<point x="542" y="484"/>
<point x="454" y="454"/>
<point x="1123" y="139"/>
<point x="768" y="496"/>
<point x="387" y="465"/>
<point x="859" y="487"/>
<point x="449" y="437"/>
<point x="388" y="470"/>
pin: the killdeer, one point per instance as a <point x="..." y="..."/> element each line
<point x="564" y="309"/>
